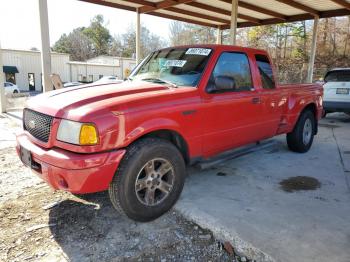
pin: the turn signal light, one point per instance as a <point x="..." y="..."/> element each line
<point x="88" y="135"/>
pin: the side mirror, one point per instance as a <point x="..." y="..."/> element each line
<point x="224" y="83"/>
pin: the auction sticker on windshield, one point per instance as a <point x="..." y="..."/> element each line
<point x="198" y="51"/>
<point x="175" y="63"/>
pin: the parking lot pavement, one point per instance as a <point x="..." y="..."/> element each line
<point x="251" y="202"/>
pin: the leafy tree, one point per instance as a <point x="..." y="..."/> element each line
<point x="99" y="35"/>
<point x="127" y="42"/>
<point x="186" y="34"/>
<point x="289" y="45"/>
<point x="78" y="45"/>
<point x="116" y="47"/>
<point x="84" y="43"/>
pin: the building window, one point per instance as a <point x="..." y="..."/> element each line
<point x="91" y="78"/>
<point x="10" y="73"/>
<point x="10" y="77"/>
<point x="31" y="81"/>
<point x="80" y="77"/>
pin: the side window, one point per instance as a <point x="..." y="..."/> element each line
<point x="235" y="66"/>
<point x="265" y="70"/>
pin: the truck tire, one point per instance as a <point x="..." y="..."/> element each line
<point x="149" y="179"/>
<point x="301" y="138"/>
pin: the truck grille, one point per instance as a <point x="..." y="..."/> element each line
<point x="37" y="124"/>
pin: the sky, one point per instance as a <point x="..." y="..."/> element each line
<point x="20" y="29"/>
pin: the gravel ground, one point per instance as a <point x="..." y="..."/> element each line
<point x="39" y="224"/>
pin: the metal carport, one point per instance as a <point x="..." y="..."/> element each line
<point x="221" y="14"/>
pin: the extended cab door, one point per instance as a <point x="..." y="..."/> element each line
<point x="231" y="117"/>
<point x="271" y="99"/>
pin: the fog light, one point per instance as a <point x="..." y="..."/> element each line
<point x="62" y="183"/>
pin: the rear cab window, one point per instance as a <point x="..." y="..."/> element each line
<point x="338" y="76"/>
<point x="266" y="72"/>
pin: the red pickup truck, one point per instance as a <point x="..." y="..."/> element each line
<point x="179" y="106"/>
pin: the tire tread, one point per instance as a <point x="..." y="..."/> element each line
<point x="131" y="152"/>
<point x="294" y="138"/>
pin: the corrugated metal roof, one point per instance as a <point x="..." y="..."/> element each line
<point x="216" y="13"/>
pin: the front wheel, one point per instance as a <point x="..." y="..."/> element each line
<point x="301" y="138"/>
<point x="149" y="180"/>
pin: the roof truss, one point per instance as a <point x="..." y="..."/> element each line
<point x="300" y="6"/>
<point x="163" y="5"/>
<point x="342" y="3"/>
<point x="205" y="18"/>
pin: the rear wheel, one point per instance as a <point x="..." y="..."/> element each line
<point x="301" y="138"/>
<point x="149" y="179"/>
<point x="15" y="91"/>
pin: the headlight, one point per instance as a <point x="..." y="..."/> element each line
<point x="77" y="133"/>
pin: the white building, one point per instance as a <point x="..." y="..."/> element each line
<point x="23" y="68"/>
<point x="95" y="68"/>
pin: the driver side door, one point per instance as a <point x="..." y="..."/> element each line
<point x="231" y="117"/>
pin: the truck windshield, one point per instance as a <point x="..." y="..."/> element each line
<point x="177" y="66"/>
<point x="338" y="76"/>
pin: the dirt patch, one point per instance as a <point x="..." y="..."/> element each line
<point x="56" y="226"/>
<point x="14" y="177"/>
<point x="299" y="183"/>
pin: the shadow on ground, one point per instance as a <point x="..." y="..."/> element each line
<point x="90" y="229"/>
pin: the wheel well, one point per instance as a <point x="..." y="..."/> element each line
<point x="175" y="138"/>
<point x="312" y="108"/>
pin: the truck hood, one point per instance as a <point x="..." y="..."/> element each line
<point x="90" y="98"/>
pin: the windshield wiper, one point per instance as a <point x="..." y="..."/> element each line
<point x="160" y="81"/>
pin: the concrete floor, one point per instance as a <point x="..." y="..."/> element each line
<point x="247" y="206"/>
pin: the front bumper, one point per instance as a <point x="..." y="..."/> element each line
<point x="336" y="106"/>
<point x="69" y="171"/>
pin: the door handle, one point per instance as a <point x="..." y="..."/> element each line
<point x="256" y="100"/>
